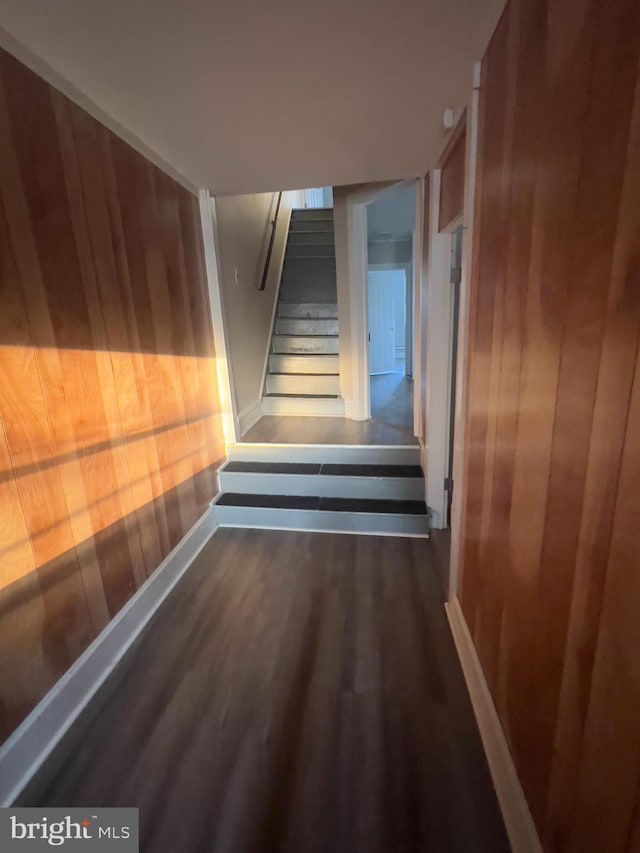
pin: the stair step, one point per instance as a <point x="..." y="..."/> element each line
<point x="306" y="214"/>
<point x="279" y="363"/>
<point x="323" y="469"/>
<point x="320" y="345"/>
<point x="316" y="407"/>
<point x="310" y="250"/>
<point x="311" y="265"/>
<point x="308" y="293"/>
<point x="302" y="384"/>
<point x="376" y="505"/>
<point x="301" y="512"/>
<point x="327" y="310"/>
<point x="311" y="226"/>
<point x="298" y="278"/>
<point x="389" y="482"/>
<point x="310" y="238"/>
<point x="306" y="326"/>
<point x="339" y="454"/>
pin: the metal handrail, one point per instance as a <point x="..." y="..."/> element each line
<point x="267" y="262"/>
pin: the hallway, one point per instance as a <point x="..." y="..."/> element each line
<point x="296" y="692"/>
<point x="276" y="429"/>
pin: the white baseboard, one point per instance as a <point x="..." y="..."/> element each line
<point x="518" y="822"/>
<point x="33" y="741"/>
<point x="250" y="416"/>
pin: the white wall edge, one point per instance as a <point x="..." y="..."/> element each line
<point x="32" y="742"/>
<point x="518" y="822"/>
<point x="358" y="311"/>
<point x="250" y="416"/>
<point x="25" y="55"/>
<point x="230" y="424"/>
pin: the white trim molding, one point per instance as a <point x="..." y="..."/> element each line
<point x="518" y="822"/>
<point x="230" y="421"/>
<point x="250" y="416"/>
<point x="438" y="347"/>
<point x="22" y="755"/>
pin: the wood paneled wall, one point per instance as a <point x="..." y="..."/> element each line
<point x="452" y="164"/>
<point x="551" y="541"/>
<point x="109" y="412"/>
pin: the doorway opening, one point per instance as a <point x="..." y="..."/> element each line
<point x="391" y="384"/>
<point x="390" y="228"/>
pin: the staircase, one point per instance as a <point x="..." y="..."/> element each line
<point x="334" y="488"/>
<point x="302" y="373"/>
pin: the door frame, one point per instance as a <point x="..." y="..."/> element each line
<point x="439" y="356"/>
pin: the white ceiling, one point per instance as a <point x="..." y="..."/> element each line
<point x="256" y="95"/>
<point x="391" y="217"/>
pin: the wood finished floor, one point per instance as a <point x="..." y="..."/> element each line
<point x="296" y="692"/>
<point x="392" y="399"/>
<point x="277" y="429"/>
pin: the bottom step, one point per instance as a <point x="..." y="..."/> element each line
<point x="311" y="406"/>
<point x="340" y="515"/>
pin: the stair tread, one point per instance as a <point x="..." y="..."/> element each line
<point x="306" y="396"/>
<point x="326" y="469"/>
<point x="369" y="505"/>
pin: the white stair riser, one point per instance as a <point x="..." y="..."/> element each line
<point x="317" y="407"/>
<point x="339" y="454"/>
<point x="382" y="524"/>
<point x="297" y="238"/>
<point x="323" y="485"/>
<point x="309" y="346"/>
<point x="308" y="309"/>
<point x="303" y="363"/>
<point x="306" y="326"/>
<point x="287" y="383"/>
<point x="317" y="250"/>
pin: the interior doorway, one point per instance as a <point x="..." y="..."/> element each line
<point x="455" y="278"/>
<point x="391" y="384"/>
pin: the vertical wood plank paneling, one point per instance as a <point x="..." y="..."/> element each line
<point x="452" y="165"/>
<point x="108" y="405"/>
<point x="550" y="550"/>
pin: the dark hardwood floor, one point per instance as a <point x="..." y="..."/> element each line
<point x="275" y="429"/>
<point x="296" y="692"/>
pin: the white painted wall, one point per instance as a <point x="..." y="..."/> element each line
<point x="242" y="232"/>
